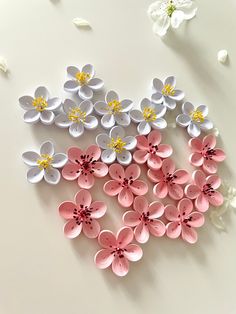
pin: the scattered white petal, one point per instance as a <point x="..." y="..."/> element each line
<point x="3" y="64"/>
<point x="222" y="56"/>
<point x="79" y="22"/>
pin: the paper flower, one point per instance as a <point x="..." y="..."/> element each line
<point x="166" y="93"/>
<point x="194" y="119"/>
<point x="40" y="107"/>
<point x="45" y="164"/>
<point x="125" y="184"/>
<point x="117" y="251"/>
<point x="205" y="154"/>
<point x="77" y="117"/>
<point x="113" y="110"/>
<point x="168" y="180"/>
<point x="166" y="13"/>
<point x="151" y="151"/>
<point x="183" y="221"/>
<point x="82" y="214"/>
<point x="203" y="190"/>
<point x="116" y="146"/>
<point x="222" y="55"/>
<point x="150" y="116"/>
<point x="82" y="81"/>
<point x="144" y="219"/>
<point x="84" y="166"/>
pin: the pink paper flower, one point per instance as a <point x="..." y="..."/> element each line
<point x="117" y="251"/>
<point x="203" y="190"/>
<point x="84" y="165"/>
<point x="183" y="221"/>
<point x="168" y="180"/>
<point x="82" y="214"/>
<point x="125" y="184"/>
<point x="151" y="151"/>
<point x="205" y="154"/>
<point x="144" y="219"/>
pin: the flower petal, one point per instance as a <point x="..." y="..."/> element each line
<point x="133" y="252"/>
<point x="132" y="172"/>
<point x="91" y="122"/>
<point x="159" y="123"/>
<point x="169" y="102"/>
<point x="197" y="220"/>
<point x="164" y="151"/>
<point x="192" y="191"/>
<point x="216" y="199"/>
<point x="125" y="197"/>
<point x="76" y="129"/>
<point x="140" y="156"/>
<point x="193" y="130"/>
<point x="62" y="121"/>
<point x="154" y="162"/>
<point x="157" y="97"/>
<point x="154" y="137"/>
<point x="189" y="234"/>
<point x="120" y="266"/>
<point x="89" y="68"/>
<point x="100" y="170"/>
<point x="155" y="175"/>
<point x="214" y="181"/>
<point x="156" y="210"/>
<point x="173" y="230"/>
<point x="72" y="71"/>
<point x="202" y="203"/>
<point x="209" y="141"/>
<point x="59" y="160"/>
<point x="160" y="110"/>
<point x="101" y="107"/>
<point x="124" y="237"/>
<point x="196" y="144"/>
<point x="47" y="148"/>
<point x="141" y="233"/>
<point x="157" y="228"/>
<point x="41" y="91"/>
<point x="187" y="108"/>
<point x="203" y="109"/>
<point x="91" y="228"/>
<point x="108" y="156"/>
<point x="179" y="95"/>
<point x="171" y="213"/>
<point x="85" y="92"/>
<point x="136" y="115"/>
<point x="139" y="187"/>
<point x="26" y="102"/>
<point x="157" y="85"/>
<point x="160" y="190"/>
<point x="103" y="258"/>
<point x="144" y="128"/>
<point x="117" y="131"/>
<point x="199" y="178"/>
<point x="189" y="9"/>
<point x="176" y="192"/>
<point x="35" y="175"/>
<point x="122" y="119"/>
<point x="31" y="116"/>
<point x="98" y="209"/>
<point x="53" y="103"/>
<point x="140" y="204"/>
<point x="30" y="158"/>
<point x="103" y="140"/>
<point x="71" y="86"/>
<point x="86" y="180"/>
<point x="181" y="176"/>
<point x="47" y="117"/>
<point x="83" y="197"/>
<point x="161" y="25"/>
<point x="219" y="155"/>
<point x="112" y="187"/>
<point x="185" y="206"/>
<point x="131" y="218"/>
<point x="66" y="210"/>
<point x="68" y="105"/>
<point x="86" y="106"/>
<point x="170" y="80"/>
<point x="72" y="229"/>
<point x="107" y="239"/>
<point x="168" y="166"/>
<point x="130" y="142"/>
<point x="117" y="172"/>
<point x="124" y="158"/>
<point x="111" y="95"/>
<point x="75" y="154"/>
<point x="177" y="18"/>
<point x="196" y="159"/>
<point x="206" y="125"/>
<point x="142" y="142"/>
<point x="183" y="120"/>
<point x="52" y="176"/>
<point x="209" y="166"/>
<point x="126" y="105"/>
<point x="96" y="83"/>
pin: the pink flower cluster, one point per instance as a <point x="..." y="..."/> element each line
<point x="193" y="196"/>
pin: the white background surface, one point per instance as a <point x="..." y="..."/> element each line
<point x="41" y="272"/>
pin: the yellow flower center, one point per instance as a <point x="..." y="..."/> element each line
<point x="77" y="115"/>
<point x="44" y="162"/>
<point x="117" y="145"/>
<point x="82" y="77"/>
<point x="197" y="116"/>
<point x="40" y="104"/>
<point x="149" y="114"/>
<point x="168" y="90"/>
<point x="114" y="106"/>
<point x="170" y="9"/>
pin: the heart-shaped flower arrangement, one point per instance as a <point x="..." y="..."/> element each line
<point x="124" y="153"/>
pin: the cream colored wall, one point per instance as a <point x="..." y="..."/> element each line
<point x="42" y="272"/>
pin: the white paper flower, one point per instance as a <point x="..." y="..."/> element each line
<point x="45" y="164"/>
<point x="113" y="110"/>
<point x="150" y="116"/>
<point x="82" y="81"/>
<point x="77" y="117"/>
<point x="194" y="119"/>
<point x="116" y="146"/>
<point x="166" y="93"/>
<point x="229" y="194"/>
<point x="166" y="13"/>
<point x="40" y="107"/>
<point x="222" y="56"/>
